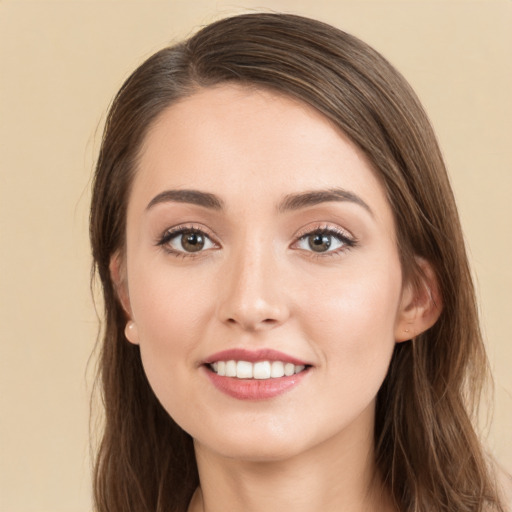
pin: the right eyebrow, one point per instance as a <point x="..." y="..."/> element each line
<point x="187" y="196"/>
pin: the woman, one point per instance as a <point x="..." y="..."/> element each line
<point x="290" y="318"/>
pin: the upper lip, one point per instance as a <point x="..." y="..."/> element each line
<point x="253" y="356"/>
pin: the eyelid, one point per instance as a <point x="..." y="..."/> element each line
<point x="174" y="231"/>
<point x="348" y="239"/>
<point x="342" y="234"/>
<point x="326" y="228"/>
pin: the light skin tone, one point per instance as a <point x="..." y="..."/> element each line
<point x="292" y="248"/>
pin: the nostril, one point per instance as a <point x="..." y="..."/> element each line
<point x="253" y="316"/>
<point x="266" y="323"/>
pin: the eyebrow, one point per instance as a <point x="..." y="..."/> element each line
<point x="289" y="203"/>
<point x="187" y="196"/>
<point x="305" y="199"/>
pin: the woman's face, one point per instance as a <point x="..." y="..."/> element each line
<point x="260" y="242"/>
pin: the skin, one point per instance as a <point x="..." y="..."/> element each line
<point x="258" y="284"/>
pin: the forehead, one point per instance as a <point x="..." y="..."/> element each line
<point x="232" y="140"/>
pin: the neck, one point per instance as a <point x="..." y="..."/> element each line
<point x="338" y="475"/>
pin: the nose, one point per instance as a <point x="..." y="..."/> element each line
<point x="253" y="295"/>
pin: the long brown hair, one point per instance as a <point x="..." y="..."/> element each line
<point x="426" y="448"/>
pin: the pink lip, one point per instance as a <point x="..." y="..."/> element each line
<point x="253" y="356"/>
<point x="253" y="389"/>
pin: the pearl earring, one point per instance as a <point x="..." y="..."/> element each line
<point x="131" y="332"/>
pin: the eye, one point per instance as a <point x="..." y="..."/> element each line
<point x="186" y="240"/>
<point x="324" y="241"/>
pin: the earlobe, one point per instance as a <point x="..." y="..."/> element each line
<point x="420" y="305"/>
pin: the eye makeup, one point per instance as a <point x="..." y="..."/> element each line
<point x="192" y="240"/>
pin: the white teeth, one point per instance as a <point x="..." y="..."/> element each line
<point x="277" y="369"/>
<point x="289" y="369"/>
<point x="231" y="369"/>
<point x="261" y="370"/>
<point x="244" y="370"/>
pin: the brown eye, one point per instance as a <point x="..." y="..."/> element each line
<point x="325" y="241"/>
<point x="186" y="241"/>
<point x="192" y="241"/>
<point x="319" y="242"/>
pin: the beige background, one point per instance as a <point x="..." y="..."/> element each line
<point x="61" y="63"/>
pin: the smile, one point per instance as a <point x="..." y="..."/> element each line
<point x="260" y="370"/>
<point x="255" y="374"/>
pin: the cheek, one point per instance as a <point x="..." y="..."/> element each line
<point x="353" y="326"/>
<point x="352" y="321"/>
<point x="167" y="305"/>
<point x="169" y="310"/>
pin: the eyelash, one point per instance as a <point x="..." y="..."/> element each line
<point x="347" y="241"/>
<point x="165" y="239"/>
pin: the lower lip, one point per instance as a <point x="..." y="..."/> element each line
<point x="255" y="389"/>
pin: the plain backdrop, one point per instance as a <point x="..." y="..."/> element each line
<point x="61" y="63"/>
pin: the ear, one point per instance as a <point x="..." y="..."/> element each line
<point x="118" y="275"/>
<point x="420" y="305"/>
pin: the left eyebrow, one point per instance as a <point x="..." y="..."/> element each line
<point x="314" y="197"/>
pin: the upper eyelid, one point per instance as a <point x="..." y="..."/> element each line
<point x="175" y="231"/>
<point x="324" y="227"/>
<point x="344" y="236"/>
<point x="300" y="234"/>
<point x="179" y="228"/>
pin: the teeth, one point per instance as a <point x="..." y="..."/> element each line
<point x="244" y="370"/>
<point x="289" y="369"/>
<point x="277" y="369"/>
<point x="231" y="369"/>
<point x="261" y="370"/>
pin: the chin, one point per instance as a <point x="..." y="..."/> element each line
<point x="257" y="450"/>
<point x="258" y="440"/>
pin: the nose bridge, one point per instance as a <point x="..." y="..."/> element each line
<point x="252" y="296"/>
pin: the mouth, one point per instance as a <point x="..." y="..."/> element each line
<point x="255" y="375"/>
<point x="260" y="370"/>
